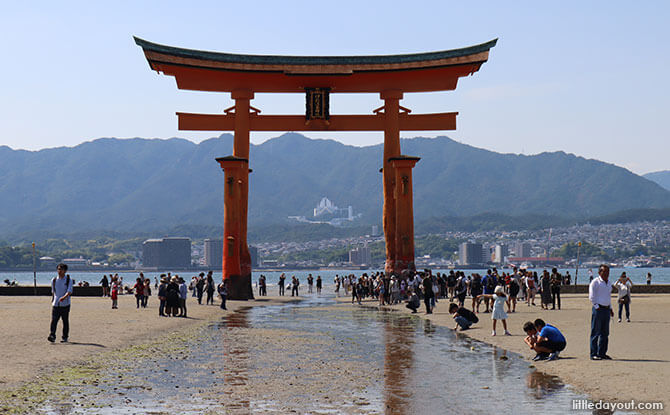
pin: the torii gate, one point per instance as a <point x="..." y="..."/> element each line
<point x="317" y="77"/>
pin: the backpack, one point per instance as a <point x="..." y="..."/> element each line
<point x="476" y="285"/>
<point x="491" y="282"/>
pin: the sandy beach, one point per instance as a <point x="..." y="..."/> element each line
<point x="94" y="329"/>
<point x="640" y="368"/>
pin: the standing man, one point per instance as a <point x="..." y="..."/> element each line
<point x="310" y="284"/>
<point x="282" y="281"/>
<point x="428" y="295"/>
<point x="600" y="295"/>
<point x="183" y="295"/>
<point x="556" y="281"/>
<point x="200" y="286"/>
<point x="61" y="290"/>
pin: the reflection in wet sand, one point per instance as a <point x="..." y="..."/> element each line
<point x="398" y="363"/>
<point x="541" y="385"/>
<point x="235" y="362"/>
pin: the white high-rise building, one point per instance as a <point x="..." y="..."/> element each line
<point x="500" y="252"/>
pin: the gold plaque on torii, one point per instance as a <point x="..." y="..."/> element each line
<point x="317" y="103"/>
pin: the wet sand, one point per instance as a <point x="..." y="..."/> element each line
<point x="94" y="329"/>
<point x="640" y="368"/>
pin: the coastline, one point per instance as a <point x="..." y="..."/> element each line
<point x="640" y="369"/>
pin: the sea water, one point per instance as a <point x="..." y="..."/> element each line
<point x="637" y="275"/>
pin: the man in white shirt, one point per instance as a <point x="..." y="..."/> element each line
<point x="61" y="290"/>
<point x="600" y="295"/>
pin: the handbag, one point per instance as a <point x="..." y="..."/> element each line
<point x="625" y="299"/>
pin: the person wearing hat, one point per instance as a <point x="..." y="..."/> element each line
<point x="162" y="295"/>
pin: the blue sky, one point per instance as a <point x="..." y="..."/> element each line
<point x="588" y="78"/>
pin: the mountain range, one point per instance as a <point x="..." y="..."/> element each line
<point x="151" y="184"/>
<point x="660" y="177"/>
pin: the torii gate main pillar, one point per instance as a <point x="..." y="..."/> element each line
<point x="391" y="149"/>
<point x="404" y="230"/>
<point x="236" y="257"/>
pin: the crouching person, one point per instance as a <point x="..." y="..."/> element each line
<point x="544" y="339"/>
<point x="413" y="303"/>
<point x="464" y="318"/>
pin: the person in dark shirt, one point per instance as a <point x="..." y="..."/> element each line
<point x="162" y="295"/>
<point x="282" y="281"/>
<point x="464" y="318"/>
<point x="104" y="282"/>
<point x="428" y="292"/>
<point x="413" y="303"/>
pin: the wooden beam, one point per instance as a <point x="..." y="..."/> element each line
<point x="226" y="122"/>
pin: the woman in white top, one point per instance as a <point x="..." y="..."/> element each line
<point x="623" y="286"/>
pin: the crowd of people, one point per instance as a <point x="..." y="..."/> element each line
<point x="497" y="291"/>
<point x="172" y="291"/>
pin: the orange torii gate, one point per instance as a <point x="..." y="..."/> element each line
<point x="317" y="77"/>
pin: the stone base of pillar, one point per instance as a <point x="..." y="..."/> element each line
<point x="239" y="287"/>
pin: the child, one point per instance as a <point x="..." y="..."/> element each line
<point x="499" y="299"/>
<point x="115" y="292"/>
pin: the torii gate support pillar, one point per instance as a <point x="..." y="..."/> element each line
<point x="238" y="281"/>
<point x="404" y="232"/>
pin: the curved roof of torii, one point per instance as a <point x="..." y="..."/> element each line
<point x="226" y="72"/>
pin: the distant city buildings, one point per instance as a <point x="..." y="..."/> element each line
<point x="76" y="263"/>
<point x="522" y="249"/>
<point x="628" y="244"/>
<point x="360" y="256"/>
<point x="326" y="212"/>
<point x="253" y="252"/>
<point x="500" y="252"/>
<point x="47" y="262"/>
<point x="375" y="230"/>
<point x="470" y="254"/>
<point x="213" y="252"/>
<point x="166" y="253"/>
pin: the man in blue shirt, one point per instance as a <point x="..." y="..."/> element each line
<point x="545" y="339"/>
<point x="61" y="290"/>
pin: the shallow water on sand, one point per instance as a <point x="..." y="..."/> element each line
<point x="321" y="357"/>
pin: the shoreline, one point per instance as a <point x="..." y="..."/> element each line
<point x="640" y="369"/>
